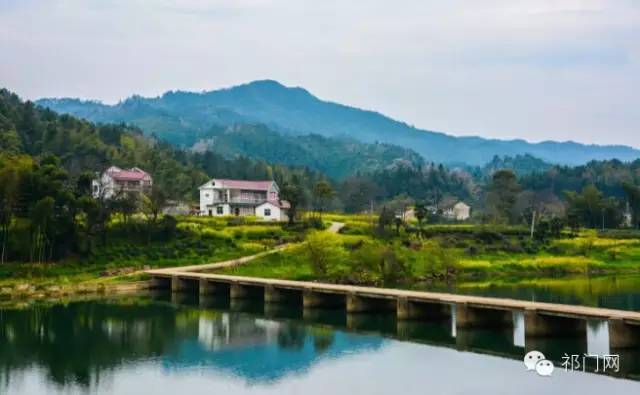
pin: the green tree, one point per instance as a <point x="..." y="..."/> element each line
<point x="322" y="195"/>
<point x="325" y="252"/>
<point x="153" y="203"/>
<point x="10" y="178"/>
<point x="502" y="196"/>
<point x="294" y="194"/>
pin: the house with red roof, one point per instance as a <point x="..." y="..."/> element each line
<point x="220" y="197"/>
<point x="116" y="181"/>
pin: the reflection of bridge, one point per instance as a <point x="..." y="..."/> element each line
<point x="541" y="319"/>
<point x="502" y="342"/>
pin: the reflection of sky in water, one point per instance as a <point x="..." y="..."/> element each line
<point x="219" y="352"/>
<point x="269" y="361"/>
<point x="397" y="368"/>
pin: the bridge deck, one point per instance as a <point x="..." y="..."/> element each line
<point x="562" y="310"/>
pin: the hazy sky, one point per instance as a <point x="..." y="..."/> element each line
<point x="532" y="69"/>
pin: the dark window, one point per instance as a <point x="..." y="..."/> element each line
<point x="219" y="210"/>
<point x="267" y="212"/>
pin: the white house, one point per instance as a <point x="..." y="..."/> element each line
<point x="115" y="181"/>
<point x="459" y="212"/>
<point x="220" y="197"/>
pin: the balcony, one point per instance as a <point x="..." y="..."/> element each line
<point x="237" y="200"/>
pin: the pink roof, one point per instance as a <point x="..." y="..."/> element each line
<point x="128" y="174"/>
<point x="241" y="184"/>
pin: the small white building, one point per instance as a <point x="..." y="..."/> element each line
<point x="459" y="212"/>
<point x="220" y="197"/>
<point x="115" y="181"/>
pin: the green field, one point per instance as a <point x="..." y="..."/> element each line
<point x="446" y="253"/>
<point x="197" y="240"/>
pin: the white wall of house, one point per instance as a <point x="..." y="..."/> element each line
<point x="461" y="211"/>
<point x="269" y="212"/>
<point x="206" y="200"/>
<point x="216" y="210"/>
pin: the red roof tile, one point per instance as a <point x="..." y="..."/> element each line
<point x="241" y="184"/>
<point x="128" y="175"/>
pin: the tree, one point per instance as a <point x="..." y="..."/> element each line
<point x="324" y="252"/>
<point x="126" y="204"/>
<point x="41" y="224"/>
<point x="385" y="220"/>
<point x="632" y="194"/>
<point x="421" y="213"/>
<point x="503" y="192"/>
<point x="153" y="203"/>
<point x="322" y="194"/>
<point x="9" y="190"/>
<point x="593" y="210"/>
<point x="294" y="194"/>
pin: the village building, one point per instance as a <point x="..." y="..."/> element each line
<point x="220" y="197"/>
<point x="116" y="181"/>
<point x="458" y="212"/>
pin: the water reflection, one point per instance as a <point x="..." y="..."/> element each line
<point x="102" y="345"/>
<point x="615" y="292"/>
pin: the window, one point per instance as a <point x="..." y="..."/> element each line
<point x="206" y="195"/>
<point x="219" y="210"/>
<point x="267" y="212"/>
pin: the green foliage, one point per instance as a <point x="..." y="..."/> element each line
<point x="325" y="253"/>
<point x="501" y="198"/>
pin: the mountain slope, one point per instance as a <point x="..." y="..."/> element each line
<point x="335" y="157"/>
<point x="178" y="116"/>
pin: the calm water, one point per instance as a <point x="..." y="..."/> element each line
<point x="615" y="292"/>
<point x="181" y="345"/>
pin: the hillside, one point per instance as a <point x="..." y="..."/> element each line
<point x="185" y="117"/>
<point x="29" y="131"/>
<point x="335" y="157"/>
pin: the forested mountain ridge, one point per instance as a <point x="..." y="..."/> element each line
<point x="183" y="117"/>
<point x="27" y="130"/>
<point x="336" y="157"/>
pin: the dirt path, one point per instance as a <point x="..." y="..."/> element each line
<point x="334" y="228"/>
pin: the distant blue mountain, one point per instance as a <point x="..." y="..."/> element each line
<point x="184" y="117"/>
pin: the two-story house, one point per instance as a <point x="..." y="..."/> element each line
<point x="219" y="197"/>
<point x="116" y="181"/>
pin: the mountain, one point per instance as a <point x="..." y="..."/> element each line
<point x="184" y="117"/>
<point x="520" y="164"/>
<point x="335" y="157"/>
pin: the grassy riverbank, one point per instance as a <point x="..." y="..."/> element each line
<point x="363" y="255"/>
<point x="197" y="240"/>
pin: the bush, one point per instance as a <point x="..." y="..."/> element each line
<point x="324" y="252"/>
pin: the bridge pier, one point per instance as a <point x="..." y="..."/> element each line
<point x="242" y="291"/>
<point x="208" y="287"/>
<point x="282" y="295"/>
<point x="623" y="335"/>
<point x="160" y="282"/>
<point x="479" y="317"/>
<point x="313" y="299"/>
<point x="542" y="325"/>
<point x="363" y="304"/>
<point x="410" y="310"/>
<point x="183" y="284"/>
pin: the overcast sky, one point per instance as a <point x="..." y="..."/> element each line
<point x="532" y="69"/>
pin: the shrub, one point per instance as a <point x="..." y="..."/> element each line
<point x="324" y="250"/>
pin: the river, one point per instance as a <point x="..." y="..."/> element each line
<point x="178" y="344"/>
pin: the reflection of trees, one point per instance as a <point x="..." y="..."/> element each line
<point x="322" y="338"/>
<point x="75" y="341"/>
<point x="291" y="336"/>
